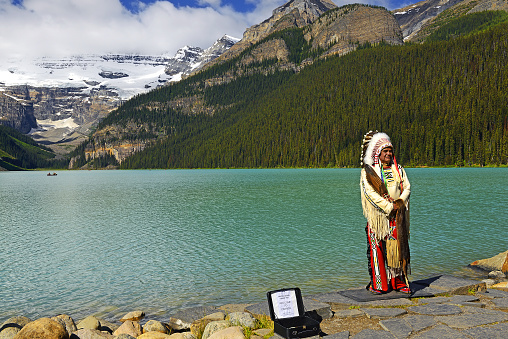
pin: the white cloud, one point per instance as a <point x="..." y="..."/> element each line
<point x="69" y="27"/>
<point x="66" y="27"/>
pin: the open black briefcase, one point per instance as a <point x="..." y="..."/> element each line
<point x="288" y="314"/>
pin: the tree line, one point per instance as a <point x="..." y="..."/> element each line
<point x="444" y="102"/>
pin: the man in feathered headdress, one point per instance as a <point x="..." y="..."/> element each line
<point x="385" y="191"/>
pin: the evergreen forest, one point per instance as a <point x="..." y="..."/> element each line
<point x="21" y="152"/>
<point x="443" y="102"/>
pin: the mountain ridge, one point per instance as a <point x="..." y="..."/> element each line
<point x="85" y="88"/>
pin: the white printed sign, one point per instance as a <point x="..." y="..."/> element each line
<point x="284" y="304"/>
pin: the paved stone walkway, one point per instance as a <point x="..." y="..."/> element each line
<point x="449" y="310"/>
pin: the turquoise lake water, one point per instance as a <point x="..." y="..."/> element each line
<point x="108" y="242"/>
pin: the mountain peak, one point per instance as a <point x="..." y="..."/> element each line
<point x="294" y="13"/>
<point x="313" y="8"/>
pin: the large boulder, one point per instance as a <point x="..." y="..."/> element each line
<point x="43" y="328"/>
<point x="12" y="326"/>
<point x="86" y="333"/>
<point x="90" y="322"/>
<point x="107" y="326"/>
<point x="199" y="326"/>
<point x="183" y="319"/>
<point x="18" y="321"/>
<point x="213" y="327"/>
<point x="124" y="336"/>
<point x="155" y="326"/>
<point x="234" y="332"/>
<point x="67" y="322"/>
<point x="132" y="328"/>
<point x="133" y="316"/>
<point x="183" y="335"/>
<point x="8" y="332"/>
<point x="154" y="335"/>
<point x="496" y="263"/>
<point x="242" y="319"/>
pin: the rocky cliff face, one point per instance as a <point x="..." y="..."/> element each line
<point x="295" y="13"/>
<point x="346" y="27"/>
<point x="17" y="113"/>
<point x="65" y="114"/>
<point x="69" y="95"/>
<point x="413" y="17"/>
<point x="419" y="20"/>
<point x="336" y="31"/>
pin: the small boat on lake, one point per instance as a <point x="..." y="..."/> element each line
<point x="51" y="175"/>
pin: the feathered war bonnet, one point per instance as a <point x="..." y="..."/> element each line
<point x="372" y="144"/>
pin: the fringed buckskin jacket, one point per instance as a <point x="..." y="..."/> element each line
<point x="376" y="208"/>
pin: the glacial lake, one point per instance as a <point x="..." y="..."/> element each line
<point x="107" y="242"/>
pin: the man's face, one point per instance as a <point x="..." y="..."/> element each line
<point x="386" y="155"/>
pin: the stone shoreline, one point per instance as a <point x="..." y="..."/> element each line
<point x="440" y="307"/>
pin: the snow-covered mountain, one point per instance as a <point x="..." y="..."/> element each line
<point x="83" y="89"/>
<point x="128" y="75"/>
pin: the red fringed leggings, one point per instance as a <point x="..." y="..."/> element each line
<point x="380" y="278"/>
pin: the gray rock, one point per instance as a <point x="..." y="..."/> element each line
<point x="183" y="319"/>
<point x="434" y="300"/>
<point x="373" y="334"/>
<point x="501" y="303"/>
<point x="497" y="331"/>
<point x="339" y="335"/>
<point x="420" y="322"/>
<point x="389" y="302"/>
<point x="333" y="297"/>
<point x="155" y="326"/>
<point x="86" y="333"/>
<point x="476" y="310"/>
<point x="441" y="332"/>
<point x="19" y="321"/>
<point x="489" y="282"/>
<point x="242" y="319"/>
<point x="398" y="327"/>
<point x="213" y="327"/>
<point x="497" y="275"/>
<point x="465" y="300"/>
<point x="493" y="293"/>
<point x="470" y="320"/>
<point x="452" y="285"/>
<point x="124" y="336"/>
<point x="383" y="313"/>
<point x="462" y="298"/>
<point x="9" y="332"/>
<point x="354" y="313"/>
<point x="89" y="322"/>
<point x="436" y="309"/>
<point x="471" y="304"/>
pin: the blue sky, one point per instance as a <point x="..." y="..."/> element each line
<point x="70" y="27"/>
<point x="238" y="5"/>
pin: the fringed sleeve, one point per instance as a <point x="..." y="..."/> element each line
<point x="375" y="208"/>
